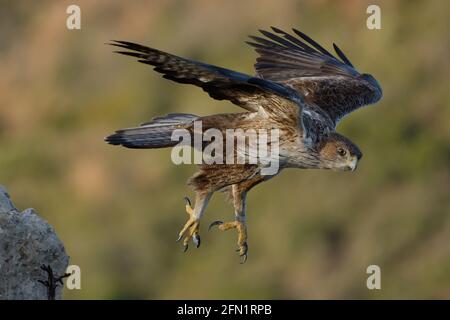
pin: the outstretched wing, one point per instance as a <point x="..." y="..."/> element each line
<point x="333" y="85"/>
<point x="249" y="92"/>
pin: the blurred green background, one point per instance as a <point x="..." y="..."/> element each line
<point x="312" y="234"/>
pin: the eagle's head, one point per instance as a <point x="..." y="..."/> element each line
<point x="338" y="153"/>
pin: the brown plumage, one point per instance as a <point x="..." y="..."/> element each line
<point x="300" y="89"/>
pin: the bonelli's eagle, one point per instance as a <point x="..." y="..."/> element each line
<point x="300" y="89"/>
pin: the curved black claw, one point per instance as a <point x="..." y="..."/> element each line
<point x="186" y="247"/>
<point x="196" y="240"/>
<point x="215" y="223"/>
<point x="188" y="201"/>
<point x="244" y="253"/>
<point x="179" y="238"/>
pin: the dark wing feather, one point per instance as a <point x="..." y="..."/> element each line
<point x="246" y="91"/>
<point x="342" y="55"/>
<point x="333" y="85"/>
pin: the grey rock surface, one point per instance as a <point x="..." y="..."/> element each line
<point x="26" y="243"/>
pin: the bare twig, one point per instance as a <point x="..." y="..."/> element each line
<point x="52" y="282"/>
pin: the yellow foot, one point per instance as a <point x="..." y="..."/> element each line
<point x="190" y="229"/>
<point x="242" y="235"/>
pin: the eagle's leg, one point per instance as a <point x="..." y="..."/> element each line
<point x="239" y="200"/>
<point x="191" y="227"/>
<point x="239" y="194"/>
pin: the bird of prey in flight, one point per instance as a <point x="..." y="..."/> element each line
<point x="299" y="88"/>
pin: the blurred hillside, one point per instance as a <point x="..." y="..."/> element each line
<point x="312" y="234"/>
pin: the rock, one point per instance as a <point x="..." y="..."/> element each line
<point x="26" y="243"/>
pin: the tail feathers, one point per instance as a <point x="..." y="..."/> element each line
<point x="154" y="134"/>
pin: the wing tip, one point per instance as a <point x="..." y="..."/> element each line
<point x="113" y="139"/>
<point x="277" y="30"/>
<point x="341" y="54"/>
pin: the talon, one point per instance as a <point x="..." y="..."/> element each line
<point x="215" y="223"/>
<point x="196" y="240"/>
<point x="191" y="228"/>
<point x="179" y="238"/>
<point x="243" y="252"/>
<point x="244" y="249"/>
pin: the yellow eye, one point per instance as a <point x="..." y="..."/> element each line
<point x="341" y="152"/>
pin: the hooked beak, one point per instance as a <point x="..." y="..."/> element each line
<point x="353" y="164"/>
